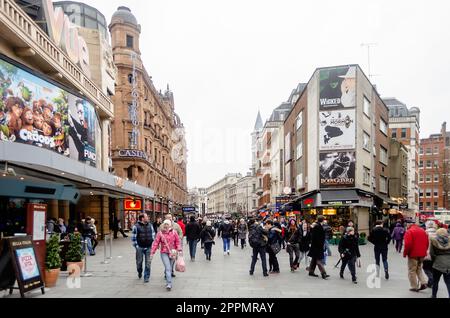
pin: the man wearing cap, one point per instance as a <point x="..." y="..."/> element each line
<point x="416" y="248"/>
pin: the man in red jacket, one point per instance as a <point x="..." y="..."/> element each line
<point x="416" y="247"/>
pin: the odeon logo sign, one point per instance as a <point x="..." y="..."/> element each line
<point x="65" y="34"/>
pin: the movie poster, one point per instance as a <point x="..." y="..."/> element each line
<point x="337" y="87"/>
<point x="337" y="169"/>
<point x="337" y="130"/>
<point x="38" y="113"/>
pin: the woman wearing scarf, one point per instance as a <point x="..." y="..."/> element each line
<point x="440" y="255"/>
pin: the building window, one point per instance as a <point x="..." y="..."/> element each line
<point x="428" y="205"/>
<point x="436" y="150"/>
<point x="403" y="133"/>
<point x="436" y="178"/>
<point x="421" y="206"/>
<point x="421" y="193"/>
<point x="254" y="187"/>
<point x="299" y="151"/>
<point x="383" y="155"/>
<point x="421" y="150"/>
<point x="130" y="41"/>
<point x="428" y="164"/>
<point x="436" y="192"/>
<point x="299" y="121"/>
<point x="130" y="78"/>
<point x="394" y="133"/>
<point x="254" y="204"/>
<point x="421" y="164"/>
<point x="428" y="152"/>
<point x="435" y="205"/>
<point x="428" y="193"/>
<point x="428" y="178"/>
<point x="383" y="127"/>
<point x="145" y="145"/>
<point x="383" y="184"/>
<point x="366" y="107"/>
<point x="366" y="141"/>
<point x="421" y="178"/>
<point x="436" y="163"/>
<point x="130" y="139"/>
<point x="130" y="173"/>
<point x="366" y="179"/>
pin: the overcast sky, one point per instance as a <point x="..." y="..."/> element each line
<point x="225" y="60"/>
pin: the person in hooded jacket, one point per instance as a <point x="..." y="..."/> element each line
<point x="397" y="236"/>
<point x="193" y="230"/>
<point x="430" y="228"/>
<point x="226" y="231"/>
<point x="207" y="236"/>
<point x="274" y="237"/>
<point x="349" y="250"/>
<point x="242" y="232"/>
<point x="380" y="238"/>
<point x="440" y="255"/>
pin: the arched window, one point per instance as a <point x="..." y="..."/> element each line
<point x="130" y="78"/>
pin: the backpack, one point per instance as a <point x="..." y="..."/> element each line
<point x="256" y="238"/>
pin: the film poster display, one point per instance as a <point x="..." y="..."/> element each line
<point x="337" y="169"/>
<point x="337" y="87"/>
<point x="36" y="112"/>
<point x="337" y="129"/>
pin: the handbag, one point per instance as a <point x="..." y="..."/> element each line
<point x="276" y="247"/>
<point x="180" y="265"/>
<point x="172" y="252"/>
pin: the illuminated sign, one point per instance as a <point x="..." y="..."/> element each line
<point x="65" y="35"/>
<point x="132" y="205"/>
<point x="188" y="209"/>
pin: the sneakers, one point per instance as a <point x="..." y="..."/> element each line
<point x="422" y="287"/>
<point x="354" y="282"/>
<point x="228" y="252"/>
<point x="251" y="273"/>
<point x="173" y="275"/>
<point x="341" y="275"/>
<point x="146" y="280"/>
<point x="169" y="287"/>
<point x="265" y="274"/>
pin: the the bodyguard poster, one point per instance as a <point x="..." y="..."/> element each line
<point x="337" y="169"/>
<point x="39" y="113"/>
<point x="337" y="87"/>
<point x="337" y="129"/>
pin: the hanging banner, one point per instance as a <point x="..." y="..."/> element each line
<point x="337" y="169"/>
<point x="337" y="130"/>
<point x="337" y="87"/>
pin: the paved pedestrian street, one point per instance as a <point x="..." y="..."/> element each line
<point x="228" y="276"/>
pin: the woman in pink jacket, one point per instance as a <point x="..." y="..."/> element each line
<point x="169" y="242"/>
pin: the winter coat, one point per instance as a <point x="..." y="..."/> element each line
<point x="274" y="235"/>
<point x="440" y="254"/>
<point x="349" y="246"/>
<point x="172" y="238"/>
<point x="207" y="234"/>
<point x="260" y="233"/>
<point x="177" y="229"/>
<point x="379" y="237"/>
<point x="305" y="241"/>
<point x="416" y="242"/>
<point x="398" y="233"/>
<point x="317" y="242"/>
<point x="431" y="232"/>
<point x="182" y="227"/>
<point x="226" y="230"/>
<point x="242" y="231"/>
<point x="328" y="232"/>
<point x="193" y="230"/>
<point x="293" y="235"/>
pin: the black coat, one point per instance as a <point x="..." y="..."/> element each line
<point x="305" y="241"/>
<point x="349" y="246"/>
<point x="380" y="237"/>
<point x="317" y="242"/>
<point x="207" y="234"/>
<point x="193" y="230"/>
<point x="292" y="237"/>
<point x="226" y="230"/>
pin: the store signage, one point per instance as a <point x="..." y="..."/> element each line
<point x="132" y="205"/>
<point x="308" y="202"/>
<point x="65" y="35"/>
<point x="129" y="153"/>
<point x="403" y="206"/>
<point x="343" y="202"/>
<point x="188" y="209"/>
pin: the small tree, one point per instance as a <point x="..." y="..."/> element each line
<point x="74" y="253"/>
<point x="52" y="258"/>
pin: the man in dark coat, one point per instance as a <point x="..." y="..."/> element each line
<point x="380" y="238"/>
<point x="316" y="251"/>
<point x="193" y="230"/>
<point x="349" y="250"/>
<point x="258" y="237"/>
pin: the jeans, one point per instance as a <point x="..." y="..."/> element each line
<point x="89" y="245"/>
<point x="415" y="272"/>
<point x="398" y="245"/>
<point x="436" y="278"/>
<point x="192" y="248"/>
<point x="273" y="261"/>
<point x="351" y="262"/>
<point x="168" y="267"/>
<point x="226" y="244"/>
<point x="236" y="239"/>
<point x="380" y="251"/>
<point x="208" y="249"/>
<point x="142" y="252"/>
<point x="327" y="247"/>
<point x="262" y="253"/>
<point x="428" y="269"/>
<point x="293" y="249"/>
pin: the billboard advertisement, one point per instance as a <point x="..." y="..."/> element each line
<point x="337" y="129"/>
<point x="337" y="87"/>
<point x="39" y="113"/>
<point x="337" y="169"/>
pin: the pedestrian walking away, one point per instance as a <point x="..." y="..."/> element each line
<point x="117" y="227"/>
<point x="193" y="230"/>
<point x="168" y="241"/>
<point x="397" y="236"/>
<point x="440" y="255"/>
<point x="430" y="228"/>
<point x="242" y="232"/>
<point x="226" y="231"/>
<point x="349" y="250"/>
<point x="273" y="246"/>
<point x="316" y="251"/>
<point x="143" y="235"/>
<point x="258" y="238"/>
<point x="416" y="248"/>
<point x="207" y="236"/>
<point x="380" y="238"/>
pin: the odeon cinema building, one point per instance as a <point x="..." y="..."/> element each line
<point x="56" y="84"/>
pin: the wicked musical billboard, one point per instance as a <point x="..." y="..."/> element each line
<point x="337" y="87"/>
<point x="337" y="169"/>
<point x="337" y="129"/>
<point x="36" y="112"/>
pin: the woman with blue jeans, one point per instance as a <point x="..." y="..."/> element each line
<point x="226" y="229"/>
<point x="168" y="241"/>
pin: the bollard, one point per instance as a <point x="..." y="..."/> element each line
<point x="110" y="246"/>
<point x="85" y="274"/>
<point x="105" y="242"/>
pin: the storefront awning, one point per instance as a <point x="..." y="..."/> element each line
<point x="339" y="197"/>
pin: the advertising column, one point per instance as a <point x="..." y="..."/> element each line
<point x="36" y="220"/>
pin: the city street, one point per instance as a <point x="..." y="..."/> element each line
<point x="227" y="276"/>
